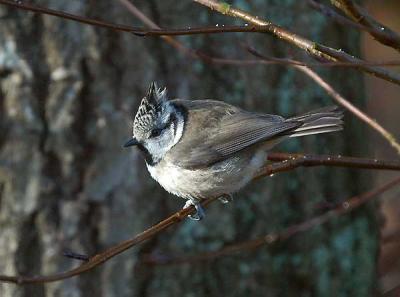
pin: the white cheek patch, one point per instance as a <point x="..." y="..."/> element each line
<point x="179" y="128"/>
<point x="159" y="146"/>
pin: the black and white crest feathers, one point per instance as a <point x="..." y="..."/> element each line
<point x="149" y="110"/>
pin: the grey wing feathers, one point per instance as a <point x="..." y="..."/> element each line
<point x="247" y="129"/>
<point x="215" y="130"/>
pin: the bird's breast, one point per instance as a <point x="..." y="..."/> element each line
<point x="224" y="177"/>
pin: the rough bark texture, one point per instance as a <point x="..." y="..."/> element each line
<point x="68" y="93"/>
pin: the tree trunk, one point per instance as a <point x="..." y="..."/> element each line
<point x="68" y="96"/>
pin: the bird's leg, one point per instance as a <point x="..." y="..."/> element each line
<point x="199" y="210"/>
<point x="225" y="198"/>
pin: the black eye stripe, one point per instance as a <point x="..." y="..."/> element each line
<point x="157" y="131"/>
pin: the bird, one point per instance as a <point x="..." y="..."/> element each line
<point x="196" y="149"/>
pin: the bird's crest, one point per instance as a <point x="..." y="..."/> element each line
<point x="149" y="110"/>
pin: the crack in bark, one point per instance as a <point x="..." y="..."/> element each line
<point x="83" y="113"/>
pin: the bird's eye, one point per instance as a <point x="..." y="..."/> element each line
<point x="155" y="132"/>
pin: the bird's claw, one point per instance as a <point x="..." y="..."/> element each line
<point x="200" y="214"/>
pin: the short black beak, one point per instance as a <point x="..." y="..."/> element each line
<point x="131" y="142"/>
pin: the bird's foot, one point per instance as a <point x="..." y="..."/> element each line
<point x="226" y="198"/>
<point x="199" y="215"/>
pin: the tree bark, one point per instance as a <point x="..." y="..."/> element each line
<point x="68" y="96"/>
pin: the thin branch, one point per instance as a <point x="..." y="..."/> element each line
<point x="286" y="164"/>
<point x="169" y="39"/>
<point x="299" y="160"/>
<point x="288" y="61"/>
<point x="315" y="49"/>
<point x="352" y="108"/>
<point x="167" y="33"/>
<point x="330" y="12"/>
<point x="344" y="208"/>
<point x="102" y="257"/>
<point x="380" y="32"/>
<point x="238" y="62"/>
<point x="156" y="31"/>
<point x="283" y="160"/>
<point x="135" y="30"/>
<point x="342" y="101"/>
<point x="22" y="5"/>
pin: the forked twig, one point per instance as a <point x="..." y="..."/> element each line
<point x="317" y="50"/>
<point x="332" y="92"/>
<point x="380" y="32"/>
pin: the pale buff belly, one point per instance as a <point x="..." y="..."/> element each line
<point x="225" y="177"/>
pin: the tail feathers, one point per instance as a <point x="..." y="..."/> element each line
<point x="323" y="120"/>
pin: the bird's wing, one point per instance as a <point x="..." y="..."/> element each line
<point x="215" y="131"/>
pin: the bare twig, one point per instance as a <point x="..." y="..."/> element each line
<point x="315" y="49"/>
<point x="289" y="161"/>
<point x="102" y="257"/>
<point x="285" y="61"/>
<point x="286" y="161"/>
<point x="330" y="12"/>
<point x="380" y="32"/>
<point x="342" y="101"/>
<point x="169" y="39"/>
<point x="345" y="207"/>
<point x="352" y="108"/>
<point x="167" y="33"/>
<point x="135" y="30"/>
<point x="236" y="62"/>
<point x="286" y="164"/>
<point x="288" y="61"/>
<point x="155" y="31"/>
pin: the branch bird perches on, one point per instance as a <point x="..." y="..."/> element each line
<point x="288" y="162"/>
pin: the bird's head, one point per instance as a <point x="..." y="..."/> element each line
<point x="158" y="125"/>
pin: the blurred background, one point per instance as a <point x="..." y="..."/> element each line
<point x="68" y="95"/>
<point x="383" y="105"/>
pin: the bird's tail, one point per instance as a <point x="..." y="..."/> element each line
<point x="327" y="119"/>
